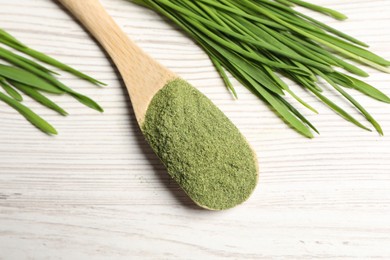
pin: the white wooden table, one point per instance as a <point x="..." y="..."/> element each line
<point x="97" y="191"/>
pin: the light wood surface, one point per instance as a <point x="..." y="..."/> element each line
<point x="97" y="191"/>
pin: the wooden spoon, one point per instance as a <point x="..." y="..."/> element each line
<point x="143" y="76"/>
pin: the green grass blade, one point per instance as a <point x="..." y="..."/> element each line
<point x="243" y="38"/>
<point x="10" y="90"/>
<point x="367" y="115"/>
<point x="87" y="101"/>
<point x="369" y="59"/>
<point x="7" y="53"/>
<point x="255" y="73"/>
<point x="305" y="104"/>
<point x="14" y="43"/>
<point x="79" y="97"/>
<point x="34" y="119"/>
<point x="39" y="97"/>
<point x="326" y="55"/>
<point x="51" y="61"/>
<point x="285" y="2"/>
<point x="355" y="103"/>
<point x="234" y="47"/>
<point x="27" y="78"/>
<point x="239" y="12"/>
<point x="30" y="77"/>
<point x="299" y="115"/>
<point x="10" y="38"/>
<point x="367" y="89"/>
<point x="279" y="107"/>
<point x="333" y="30"/>
<point x="339" y="76"/>
<point x="333" y="13"/>
<point x="351" y="49"/>
<point x="339" y="110"/>
<point x="224" y="77"/>
<point x="253" y="39"/>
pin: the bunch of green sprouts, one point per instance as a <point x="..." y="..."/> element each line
<point x="24" y="74"/>
<point x="261" y="41"/>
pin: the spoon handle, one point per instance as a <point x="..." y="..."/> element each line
<point x="142" y="75"/>
<point x="98" y="22"/>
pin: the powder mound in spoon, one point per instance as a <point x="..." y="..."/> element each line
<point x="201" y="148"/>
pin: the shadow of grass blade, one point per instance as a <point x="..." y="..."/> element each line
<point x="33" y="118"/>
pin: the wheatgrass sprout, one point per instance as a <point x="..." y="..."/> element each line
<point x="262" y="41"/>
<point x="21" y="75"/>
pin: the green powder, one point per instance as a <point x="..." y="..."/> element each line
<point x="201" y="148"/>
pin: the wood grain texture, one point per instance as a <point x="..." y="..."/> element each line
<point x="97" y="191"/>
